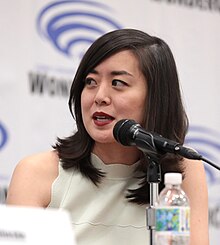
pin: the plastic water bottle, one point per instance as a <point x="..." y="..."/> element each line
<point x="172" y="213"/>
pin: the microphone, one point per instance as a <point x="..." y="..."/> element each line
<point x="129" y="133"/>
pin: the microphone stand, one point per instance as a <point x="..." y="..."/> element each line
<point x="153" y="178"/>
<point x="129" y="133"/>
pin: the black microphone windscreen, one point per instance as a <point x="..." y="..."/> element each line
<point x="121" y="131"/>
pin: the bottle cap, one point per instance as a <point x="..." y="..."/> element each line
<point x="173" y="178"/>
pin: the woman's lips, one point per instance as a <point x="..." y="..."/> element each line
<point x="101" y="118"/>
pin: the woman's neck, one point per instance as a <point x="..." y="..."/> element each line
<point x="115" y="153"/>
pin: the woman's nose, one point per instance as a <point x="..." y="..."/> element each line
<point x="103" y="96"/>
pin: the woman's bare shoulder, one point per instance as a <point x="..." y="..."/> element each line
<point x="32" y="179"/>
<point x="41" y="164"/>
<point x="48" y="159"/>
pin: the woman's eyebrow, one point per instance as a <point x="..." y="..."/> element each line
<point x="113" y="73"/>
<point x="121" y="72"/>
<point x="93" y="72"/>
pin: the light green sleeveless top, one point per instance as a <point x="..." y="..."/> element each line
<point x="101" y="215"/>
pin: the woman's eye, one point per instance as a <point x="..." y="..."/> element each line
<point x="90" y="81"/>
<point x="118" y="83"/>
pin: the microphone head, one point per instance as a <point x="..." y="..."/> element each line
<point x="122" y="132"/>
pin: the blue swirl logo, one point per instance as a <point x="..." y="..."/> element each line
<point x="3" y="136"/>
<point x="206" y="142"/>
<point x="71" y="26"/>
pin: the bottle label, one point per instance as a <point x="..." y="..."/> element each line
<point x="173" y="219"/>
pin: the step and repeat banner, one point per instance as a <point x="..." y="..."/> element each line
<point x="43" y="41"/>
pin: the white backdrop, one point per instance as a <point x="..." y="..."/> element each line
<point x="42" y="42"/>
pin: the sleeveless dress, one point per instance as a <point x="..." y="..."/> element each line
<point x="101" y="215"/>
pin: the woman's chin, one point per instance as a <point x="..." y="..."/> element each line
<point x="104" y="140"/>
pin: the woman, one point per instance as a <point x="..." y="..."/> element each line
<point x="125" y="74"/>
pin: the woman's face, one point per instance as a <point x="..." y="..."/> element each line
<point x="116" y="89"/>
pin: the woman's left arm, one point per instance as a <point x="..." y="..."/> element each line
<point x="195" y="186"/>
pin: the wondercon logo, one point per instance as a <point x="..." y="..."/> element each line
<point x="3" y="136"/>
<point x="72" y="26"/>
<point x="206" y="142"/>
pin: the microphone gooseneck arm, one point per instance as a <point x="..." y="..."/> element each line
<point x="129" y="133"/>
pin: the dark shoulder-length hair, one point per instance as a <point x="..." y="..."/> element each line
<point x="164" y="112"/>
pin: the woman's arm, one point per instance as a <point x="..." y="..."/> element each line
<point x="195" y="186"/>
<point x="32" y="179"/>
